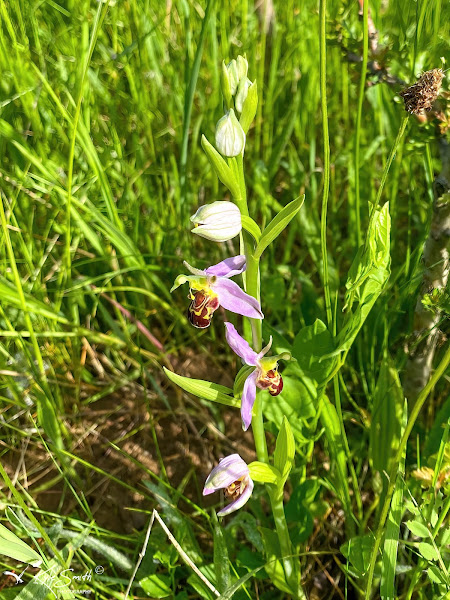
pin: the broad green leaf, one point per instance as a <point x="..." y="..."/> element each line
<point x="428" y="551"/>
<point x="263" y="473"/>
<point x="390" y="546"/>
<point x="284" y="450"/>
<point x="386" y="417"/>
<point x="358" y="551"/>
<point x="223" y="171"/>
<point x="221" y="562"/>
<point x="418" y="529"/>
<point x="278" y="224"/>
<point x="13" y="547"/>
<point x="296" y="402"/>
<point x="203" y="389"/>
<point x="312" y="348"/>
<point x="249" y="225"/>
<point x="156" y="586"/>
<point x="437" y="576"/>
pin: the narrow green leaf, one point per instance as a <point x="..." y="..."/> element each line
<point x="249" y="225"/>
<point x="221" y="562"/>
<point x="223" y="171"/>
<point x="390" y="548"/>
<point x="330" y="422"/>
<point x="278" y="224"/>
<point x="203" y="389"/>
<point x="249" y="108"/>
<point x="386" y="417"/>
<point x="13" y="547"/>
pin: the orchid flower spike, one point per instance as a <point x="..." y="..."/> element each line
<point x="265" y="376"/>
<point x="232" y="475"/>
<point x="212" y="288"/>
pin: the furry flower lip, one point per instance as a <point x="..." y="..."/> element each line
<point x="231" y="475"/>
<point x="265" y="376"/>
<point x="211" y="288"/>
<point x="219" y="221"/>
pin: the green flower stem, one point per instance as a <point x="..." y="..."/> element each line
<point x="252" y="287"/>
<point x="326" y="160"/>
<point x="439" y="372"/>
<point x="289" y="563"/>
<point x="362" y="88"/>
<point x="387" y="166"/>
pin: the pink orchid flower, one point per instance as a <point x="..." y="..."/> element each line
<point x="232" y="475"/>
<point x="211" y="288"/>
<point x="265" y="376"/>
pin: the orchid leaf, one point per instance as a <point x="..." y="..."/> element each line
<point x="13" y="547"/>
<point x="263" y="473"/>
<point x="203" y="389"/>
<point x="278" y="224"/>
<point x="223" y="171"/>
<point x="366" y="278"/>
<point x="284" y="451"/>
<point x="249" y="225"/>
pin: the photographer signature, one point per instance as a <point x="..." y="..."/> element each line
<point x="54" y="580"/>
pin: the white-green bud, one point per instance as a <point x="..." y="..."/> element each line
<point x="242" y="92"/>
<point x="230" y="137"/>
<point x="236" y="71"/>
<point x="219" y="221"/>
<point x="242" y="68"/>
<point x="233" y="77"/>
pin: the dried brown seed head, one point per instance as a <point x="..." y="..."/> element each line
<point x="420" y="96"/>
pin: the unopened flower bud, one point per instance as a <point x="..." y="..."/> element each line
<point x="230" y="137"/>
<point x="233" y="77"/>
<point x="236" y="70"/>
<point x="219" y="221"/>
<point x="242" y="68"/>
<point x="242" y="92"/>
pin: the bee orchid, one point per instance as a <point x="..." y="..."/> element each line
<point x="265" y="376"/>
<point x="211" y="288"/>
<point x="232" y="475"/>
